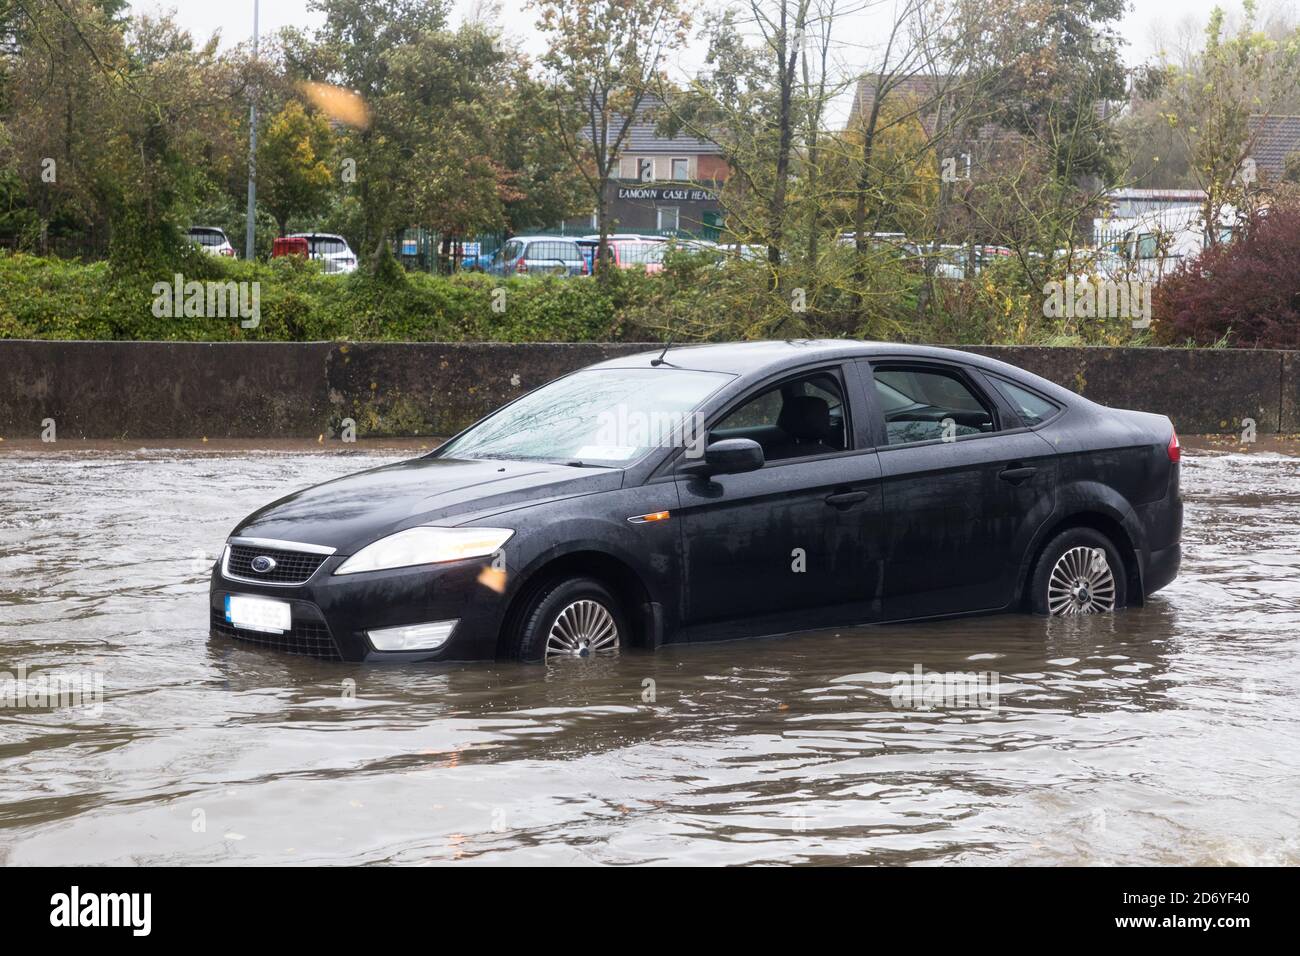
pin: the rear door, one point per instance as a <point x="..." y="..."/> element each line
<point x="965" y="486"/>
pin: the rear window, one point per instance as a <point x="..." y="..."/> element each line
<point x="327" y="245"/>
<point x="208" y="237"/>
<point x="1032" y="407"/>
<point x="638" y="253"/>
<point x="556" y="251"/>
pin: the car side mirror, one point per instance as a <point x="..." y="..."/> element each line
<point x="730" y="456"/>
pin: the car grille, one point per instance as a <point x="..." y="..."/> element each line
<point x="311" y="638"/>
<point x="291" y="567"/>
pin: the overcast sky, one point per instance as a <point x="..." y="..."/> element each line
<point x="1149" y="24"/>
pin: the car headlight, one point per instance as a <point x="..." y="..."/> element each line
<point x="425" y="546"/>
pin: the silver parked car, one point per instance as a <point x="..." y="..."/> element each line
<point x="539" y="255"/>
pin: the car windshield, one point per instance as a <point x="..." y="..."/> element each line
<point x="606" y="417"/>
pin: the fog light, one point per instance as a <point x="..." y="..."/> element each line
<point x="412" y="637"/>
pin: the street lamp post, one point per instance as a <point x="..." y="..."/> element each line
<point x="252" y="154"/>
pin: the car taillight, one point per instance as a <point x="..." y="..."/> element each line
<point x="228" y="252"/>
<point x="522" y="268"/>
<point x="1175" y="450"/>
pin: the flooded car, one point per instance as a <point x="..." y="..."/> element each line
<point x="718" y="492"/>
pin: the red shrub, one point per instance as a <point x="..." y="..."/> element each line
<point x="1248" y="290"/>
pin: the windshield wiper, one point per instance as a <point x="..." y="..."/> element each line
<point x="576" y="463"/>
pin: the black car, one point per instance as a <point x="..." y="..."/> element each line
<point x="719" y="491"/>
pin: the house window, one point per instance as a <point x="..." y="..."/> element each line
<point x="637" y="167"/>
<point x="668" y="218"/>
<point x="681" y="168"/>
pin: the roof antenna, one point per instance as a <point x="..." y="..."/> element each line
<point x="656" y="362"/>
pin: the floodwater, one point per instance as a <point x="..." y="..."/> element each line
<point x="1163" y="735"/>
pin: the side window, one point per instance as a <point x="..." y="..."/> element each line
<point x="796" y="419"/>
<point x="1032" y="407"/>
<point x="929" y="405"/>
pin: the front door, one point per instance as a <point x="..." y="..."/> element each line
<point x="794" y="545"/>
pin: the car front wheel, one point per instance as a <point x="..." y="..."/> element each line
<point x="1079" y="572"/>
<point x="574" y="618"/>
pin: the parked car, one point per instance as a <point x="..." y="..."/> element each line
<point x="539" y="255"/>
<point x="787" y="486"/>
<point x="330" y="249"/>
<point x="476" y="262"/>
<point x="641" y="254"/>
<point x="656" y="256"/>
<point x="211" y="240"/>
<point x="289" y="246"/>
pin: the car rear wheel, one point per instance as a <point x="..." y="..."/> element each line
<point x="572" y="618"/>
<point x="1079" y="572"/>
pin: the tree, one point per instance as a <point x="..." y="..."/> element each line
<point x="1241" y="293"/>
<point x="293" y="164"/>
<point x="1211" y="103"/>
<point x="355" y="49"/>
<point x="604" y="57"/>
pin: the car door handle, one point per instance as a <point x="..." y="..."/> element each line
<point x="1017" y="474"/>
<point x="846" y="498"/>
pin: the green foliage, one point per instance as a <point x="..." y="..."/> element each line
<point x="695" y="298"/>
<point x="293" y="164"/>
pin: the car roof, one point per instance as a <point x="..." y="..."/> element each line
<point x="207" y="229"/>
<point x="760" y="359"/>
<point x="542" y="239"/>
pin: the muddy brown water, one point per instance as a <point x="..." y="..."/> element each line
<point x="1168" y="734"/>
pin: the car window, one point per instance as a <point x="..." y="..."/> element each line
<point x="555" y="251"/>
<point x="796" y="419"/>
<point x="1032" y="408"/>
<point x="637" y="253"/>
<point x="327" y="245"/>
<point x="929" y="405"/>
<point x="208" y="237"/>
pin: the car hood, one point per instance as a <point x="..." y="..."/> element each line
<point x="349" y="513"/>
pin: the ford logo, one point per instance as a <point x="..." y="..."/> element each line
<point x="262" y="564"/>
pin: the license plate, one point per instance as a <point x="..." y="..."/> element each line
<point x="258" y="614"/>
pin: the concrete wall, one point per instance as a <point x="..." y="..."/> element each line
<point x="144" y="390"/>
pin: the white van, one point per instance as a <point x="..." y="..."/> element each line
<point x="1156" y="243"/>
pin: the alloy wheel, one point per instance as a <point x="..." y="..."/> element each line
<point x="584" y="628"/>
<point x="1081" y="583"/>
